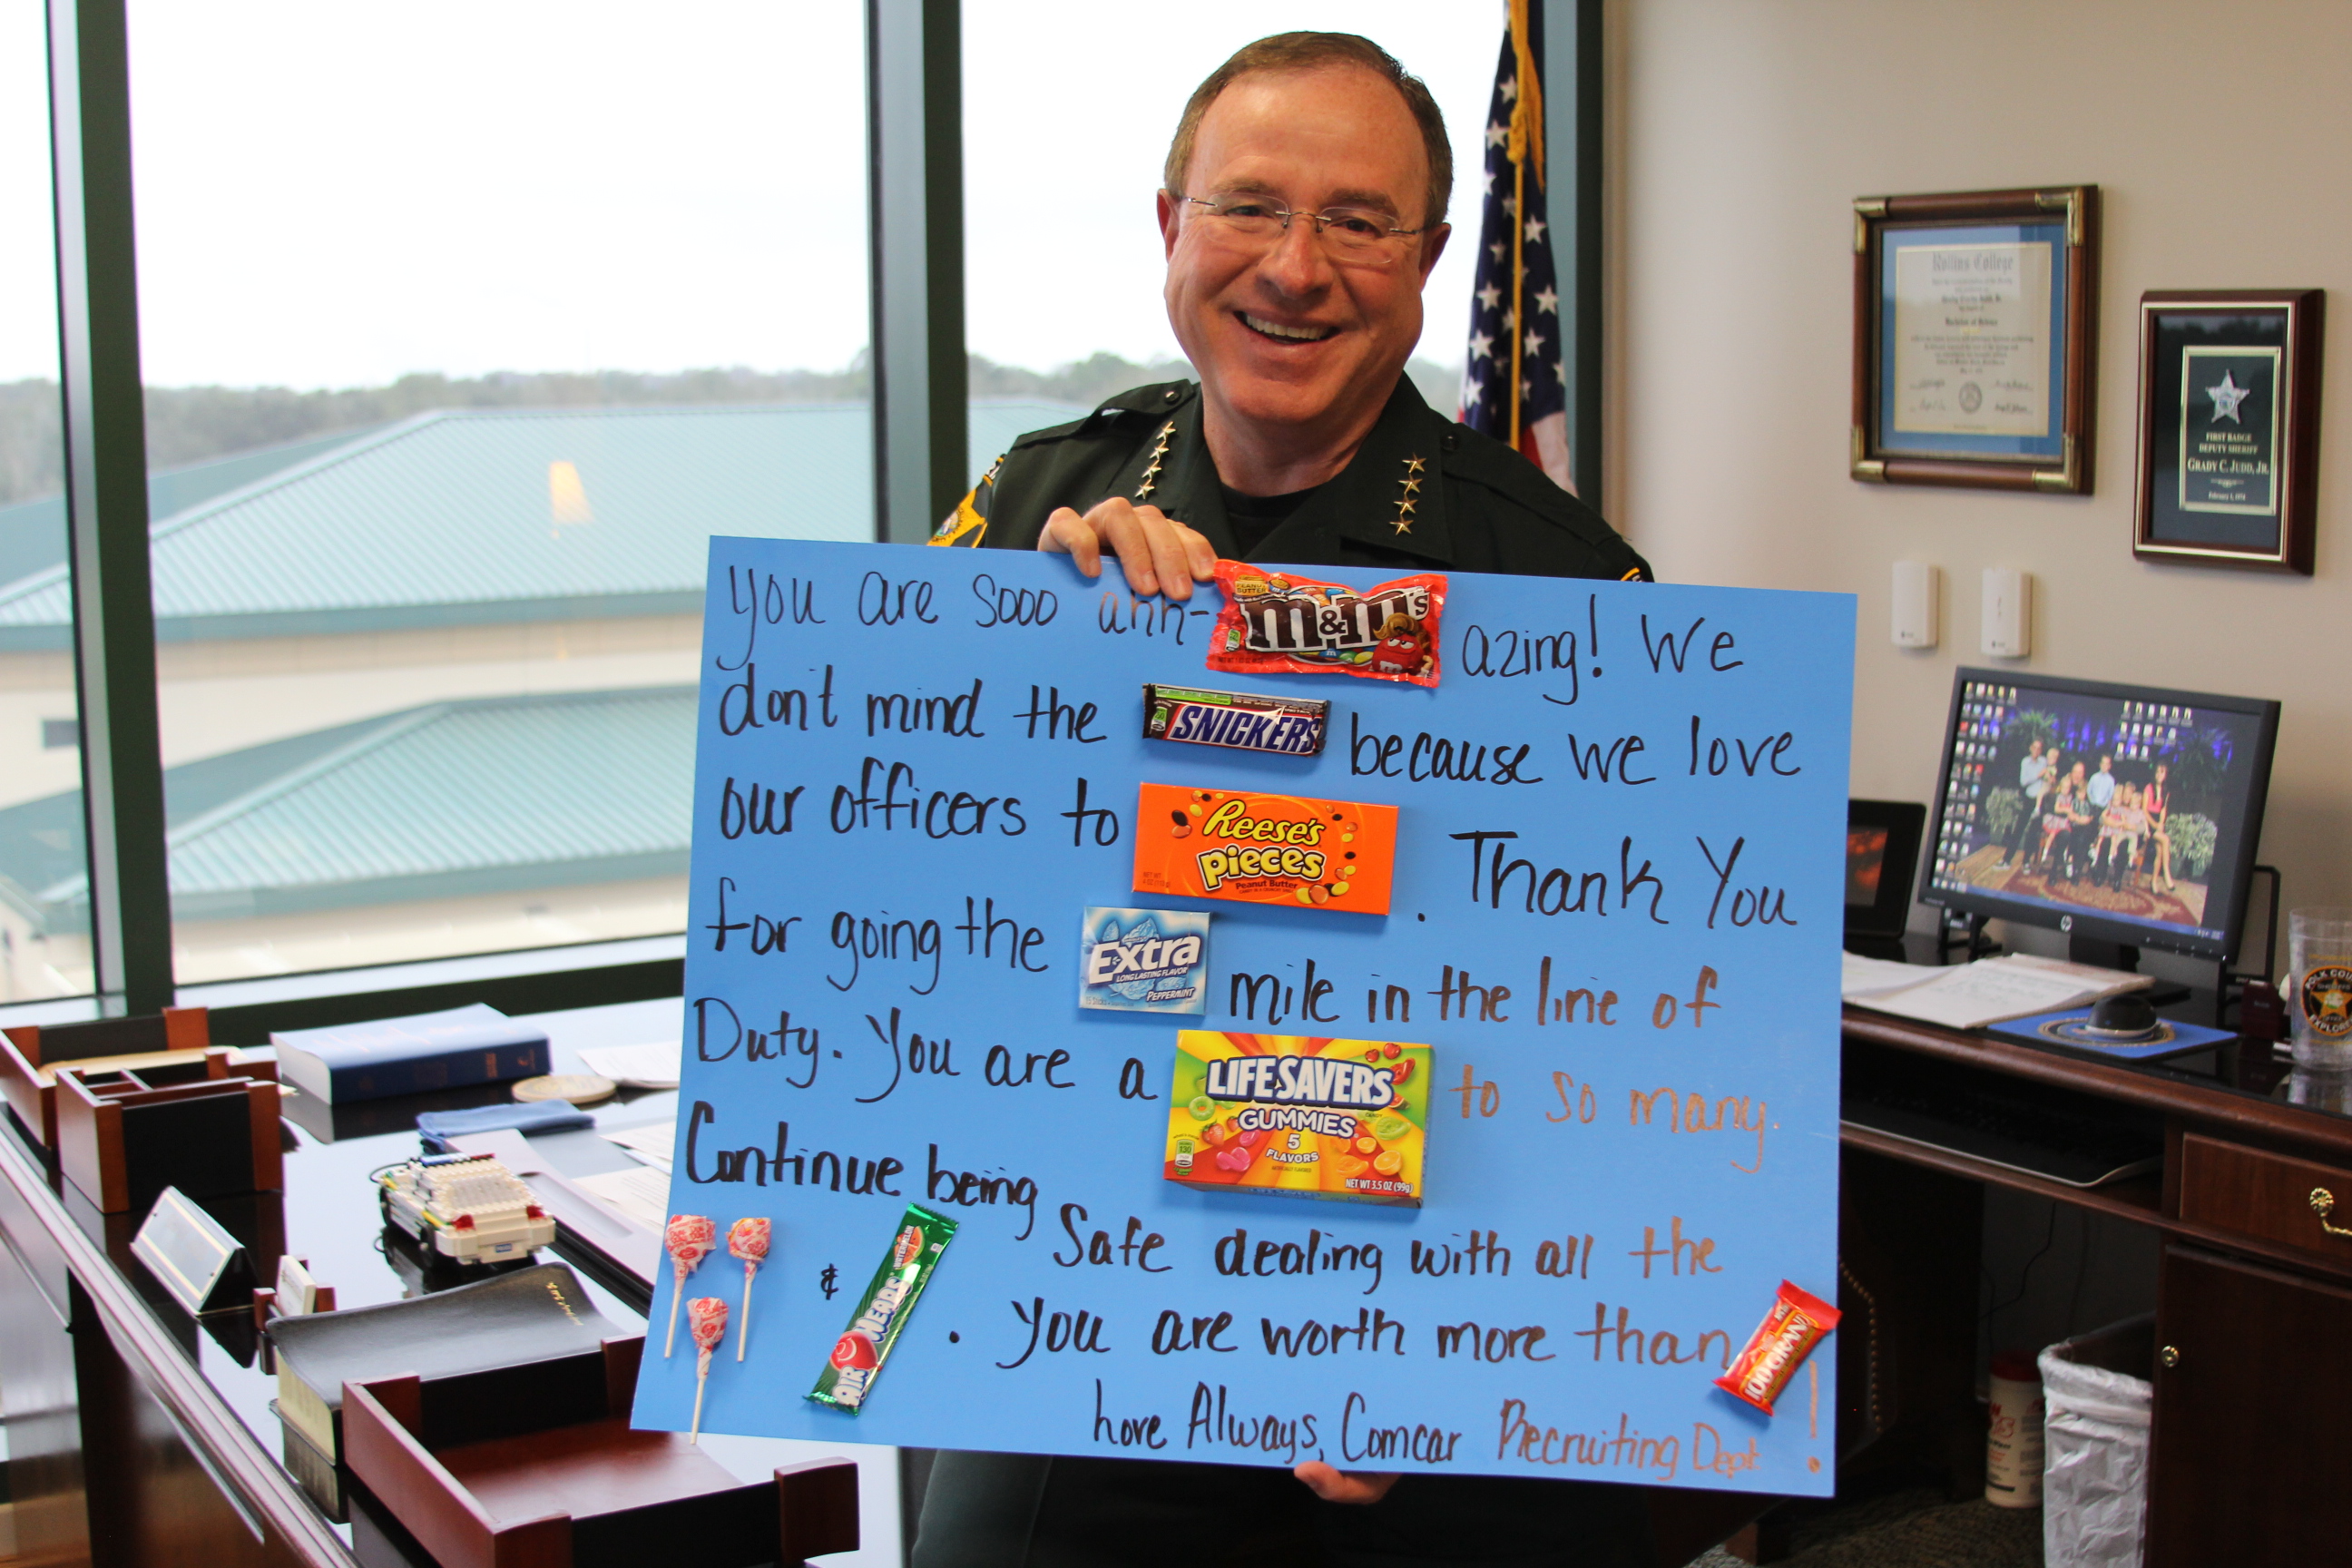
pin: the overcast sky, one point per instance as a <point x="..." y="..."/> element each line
<point x="332" y="194"/>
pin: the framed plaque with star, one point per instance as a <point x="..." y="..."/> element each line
<point x="1975" y="338"/>
<point x="2229" y="428"/>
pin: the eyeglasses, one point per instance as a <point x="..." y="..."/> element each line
<point x="1359" y="234"/>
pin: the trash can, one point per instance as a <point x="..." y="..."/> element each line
<point x="2097" y="1396"/>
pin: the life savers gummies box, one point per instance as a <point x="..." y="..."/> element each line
<point x="1259" y="849"/>
<point x="1301" y="1116"/>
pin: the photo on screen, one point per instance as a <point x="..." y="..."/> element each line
<point x="2131" y="807"/>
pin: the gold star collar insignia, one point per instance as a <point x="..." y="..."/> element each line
<point x="1151" y="469"/>
<point x="1407" y="485"/>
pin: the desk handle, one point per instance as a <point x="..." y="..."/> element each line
<point x="2323" y="1204"/>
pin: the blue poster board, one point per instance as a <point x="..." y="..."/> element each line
<point x="1616" y="920"/>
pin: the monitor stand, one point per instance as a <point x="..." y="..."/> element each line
<point x="2123" y="956"/>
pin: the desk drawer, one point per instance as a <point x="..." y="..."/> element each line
<point x="2232" y="1187"/>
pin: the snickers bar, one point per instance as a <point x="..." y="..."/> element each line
<point x="1292" y="726"/>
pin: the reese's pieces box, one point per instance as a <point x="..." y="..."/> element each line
<point x="1300" y="1116"/>
<point x="1259" y="849"/>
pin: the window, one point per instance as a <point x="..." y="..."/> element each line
<point x="461" y="335"/>
<point x="44" y="950"/>
<point x="1089" y="321"/>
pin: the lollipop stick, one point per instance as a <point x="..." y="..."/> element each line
<point x="708" y="1314"/>
<point x="744" y="1330"/>
<point x="670" y="1344"/>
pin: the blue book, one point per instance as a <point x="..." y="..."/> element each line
<point x="389" y="1056"/>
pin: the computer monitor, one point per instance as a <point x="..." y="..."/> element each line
<point x="2117" y="813"/>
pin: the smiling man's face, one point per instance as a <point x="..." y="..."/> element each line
<point x="1288" y="341"/>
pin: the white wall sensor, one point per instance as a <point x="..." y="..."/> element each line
<point x="2008" y="613"/>
<point x="1916" y="591"/>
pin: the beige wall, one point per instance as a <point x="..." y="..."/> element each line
<point x="2220" y="138"/>
<point x="35" y="686"/>
<point x="217" y="696"/>
<point x="34" y="967"/>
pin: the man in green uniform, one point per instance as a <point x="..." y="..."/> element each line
<point x="1303" y="207"/>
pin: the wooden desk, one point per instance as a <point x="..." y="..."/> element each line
<point x="140" y="1437"/>
<point x="2255" y="1295"/>
<point x="135" y="1457"/>
<point x="175" y="1451"/>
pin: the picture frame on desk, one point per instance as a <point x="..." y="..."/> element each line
<point x="1976" y="339"/>
<point x="2228" y="468"/>
<point x="1882" y="859"/>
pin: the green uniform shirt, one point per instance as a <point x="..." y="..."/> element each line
<point x="1423" y="491"/>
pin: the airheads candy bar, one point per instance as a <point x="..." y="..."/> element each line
<point x="1299" y="1116"/>
<point x="874" y="1324"/>
<point x="1265" y="849"/>
<point x="1292" y="726"/>
<point x="1283" y="623"/>
<point x="1779" y="1346"/>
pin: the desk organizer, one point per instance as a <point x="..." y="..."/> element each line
<point x="167" y="1048"/>
<point x="484" y="1479"/>
<point x="121" y="1137"/>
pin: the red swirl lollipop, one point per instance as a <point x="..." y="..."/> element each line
<point x="688" y="1238"/>
<point x="746" y="1239"/>
<point x="706" y="1320"/>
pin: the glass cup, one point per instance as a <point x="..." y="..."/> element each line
<point x="2323" y="1089"/>
<point x="2319" y="960"/>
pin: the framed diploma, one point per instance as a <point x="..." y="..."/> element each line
<point x="2229" y="428"/>
<point x="1975" y="338"/>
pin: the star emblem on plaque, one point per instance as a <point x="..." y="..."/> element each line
<point x="2228" y="445"/>
<point x="2227" y="396"/>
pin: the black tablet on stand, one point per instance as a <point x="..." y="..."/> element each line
<point x="1881" y="855"/>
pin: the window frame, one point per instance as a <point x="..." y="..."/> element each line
<point x="916" y="260"/>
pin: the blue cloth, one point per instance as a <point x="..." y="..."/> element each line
<point x="437" y="1127"/>
<point x="2101" y="789"/>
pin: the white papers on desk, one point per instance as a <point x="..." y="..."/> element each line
<point x="651" y="1142"/>
<point x="654" y="1066"/>
<point x="1868" y="976"/>
<point x="1970" y="995"/>
<point x="642" y="1193"/>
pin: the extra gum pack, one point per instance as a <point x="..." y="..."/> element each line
<point x="1299" y="1116"/>
<point x="1260" y="848"/>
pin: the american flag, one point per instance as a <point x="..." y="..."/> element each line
<point x="1514" y="386"/>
